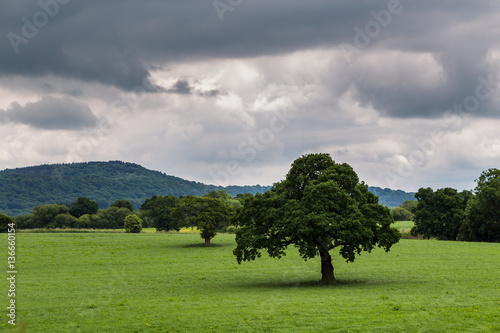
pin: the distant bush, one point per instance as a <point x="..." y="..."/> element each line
<point x="5" y="220"/>
<point x="133" y="224"/>
<point x="113" y="217"/>
<point x="401" y="214"/>
<point x="410" y="205"/>
<point x="25" y="222"/>
<point x="43" y="216"/>
<point x="88" y="221"/>
<point x="64" y="221"/>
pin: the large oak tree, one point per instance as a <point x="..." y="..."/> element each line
<point x="320" y="206"/>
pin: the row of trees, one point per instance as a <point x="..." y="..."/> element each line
<point x="81" y="214"/>
<point x="210" y="213"/>
<point x="447" y="214"/>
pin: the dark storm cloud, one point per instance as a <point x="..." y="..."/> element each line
<point x="51" y="114"/>
<point x="112" y="42"/>
<point x="181" y="87"/>
<point x="115" y="42"/>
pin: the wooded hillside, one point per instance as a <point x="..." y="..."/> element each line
<point x="22" y="189"/>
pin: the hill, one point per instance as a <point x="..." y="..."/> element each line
<point x="391" y="198"/>
<point x="105" y="182"/>
<point x="22" y="189"/>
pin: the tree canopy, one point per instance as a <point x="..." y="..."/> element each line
<point x="441" y="213"/>
<point x="205" y="213"/>
<point x="321" y="205"/>
<point x="82" y="206"/>
<point x="482" y="215"/>
<point x="159" y="210"/>
<point x="123" y="204"/>
<point x="133" y="224"/>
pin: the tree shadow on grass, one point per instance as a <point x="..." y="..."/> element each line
<point x="202" y="245"/>
<point x="310" y="283"/>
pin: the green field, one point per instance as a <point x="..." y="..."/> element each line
<point x="404" y="225"/>
<point x="158" y="282"/>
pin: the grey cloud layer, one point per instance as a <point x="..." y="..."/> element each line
<point x="51" y="114"/>
<point x="114" y="42"/>
<point x="428" y="58"/>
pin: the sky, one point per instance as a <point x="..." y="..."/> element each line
<point x="231" y="92"/>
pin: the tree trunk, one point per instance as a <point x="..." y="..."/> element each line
<point x="327" y="276"/>
<point x="207" y="241"/>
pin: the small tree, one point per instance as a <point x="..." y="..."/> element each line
<point x="133" y="224"/>
<point x="207" y="214"/>
<point x="320" y="206"/>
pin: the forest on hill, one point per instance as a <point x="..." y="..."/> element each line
<point x="105" y="182"/>
<point x="22" y="189"/>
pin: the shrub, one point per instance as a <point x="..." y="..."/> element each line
<point x="133" y="224"/>
<point x="24" y="222"/>
<point x="401" y="214"/>
<point x="88" y="221"/>
<point x="5" y="220"/>
<point x="44" y="215"/>
<point x="64" y="221"/>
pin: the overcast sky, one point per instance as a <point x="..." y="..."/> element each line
<point x="233" y="91"/>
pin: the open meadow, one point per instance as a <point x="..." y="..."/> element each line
<point x="162" y="282"/>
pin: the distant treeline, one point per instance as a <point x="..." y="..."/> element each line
<point x="210" y="213"/>
<point x="22" y="189"/>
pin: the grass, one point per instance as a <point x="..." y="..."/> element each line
<point x="404" y="226"/>
<point x="161" y="282"/>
